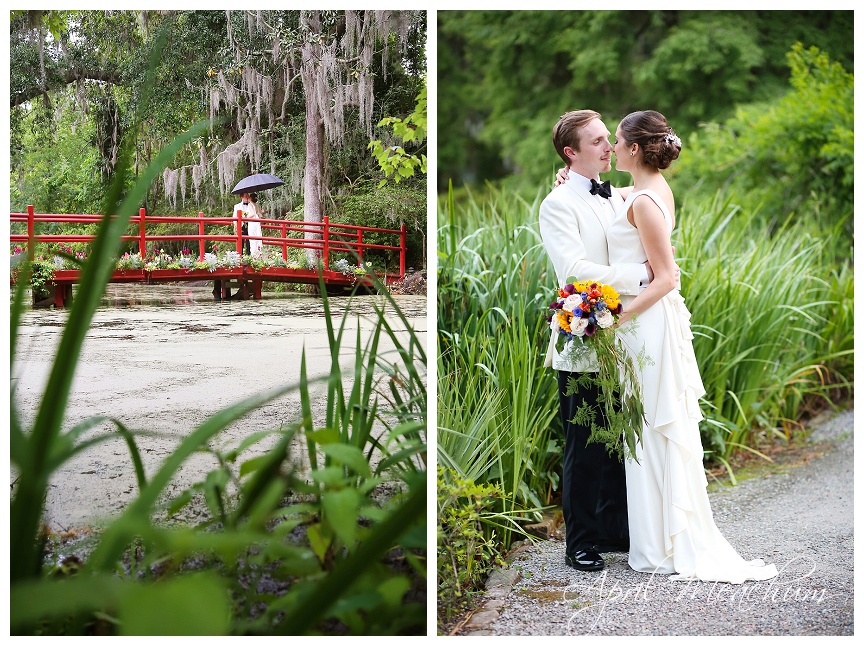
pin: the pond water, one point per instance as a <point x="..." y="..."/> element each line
<point x="163" y="358"/>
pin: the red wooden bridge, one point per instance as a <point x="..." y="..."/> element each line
<point x="323" y="238"/>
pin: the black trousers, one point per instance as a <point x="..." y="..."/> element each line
<point x="594" y="491"/>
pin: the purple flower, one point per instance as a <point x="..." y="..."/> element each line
<point x="590" y="329"/>
<point x="569" y="288"/>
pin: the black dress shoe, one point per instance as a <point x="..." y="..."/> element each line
<point x="587" y="560"/>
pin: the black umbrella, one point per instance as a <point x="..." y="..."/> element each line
<point x="256" y="182"/>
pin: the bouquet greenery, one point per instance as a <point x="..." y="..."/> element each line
<point x="584" y="318"/>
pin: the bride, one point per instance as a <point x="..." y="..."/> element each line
<point x="672" y="529"/>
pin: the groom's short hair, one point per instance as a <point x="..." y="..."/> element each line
<point x="566" y="131"/>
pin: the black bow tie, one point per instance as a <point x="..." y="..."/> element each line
<point x="601" y="189"/>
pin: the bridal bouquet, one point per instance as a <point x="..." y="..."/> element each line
<point x="583" y="317"/>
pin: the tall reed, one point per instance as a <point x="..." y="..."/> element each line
<point x="771" y="315"/>
<point x="497" y="405"/>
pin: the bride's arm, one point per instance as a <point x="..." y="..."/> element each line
<point x="655" y="240"/>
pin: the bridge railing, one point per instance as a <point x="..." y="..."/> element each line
<point x="324" y="237"/>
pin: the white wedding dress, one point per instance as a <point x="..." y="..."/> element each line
<point x="672" y="530"/>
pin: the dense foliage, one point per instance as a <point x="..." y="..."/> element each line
<point x="506" y="76"/>
<point x="791" y="157"/>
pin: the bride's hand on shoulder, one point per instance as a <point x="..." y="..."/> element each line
<point x="561" y="177"/>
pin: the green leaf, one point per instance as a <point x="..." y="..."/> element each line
<point x="323" y="435"/>
<point x="319" y="540"/>
<point x="248" y="441"/>
<point x="394" y="589"/>
<point x="350" y="456"/>
<point x="194" y="605"/>
<point x="180" y="501"/>
<point x="328" y="476"/>
<point x="340" y="512"/>
<point x="253" y="464"/>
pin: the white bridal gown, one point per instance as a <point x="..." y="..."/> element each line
<point x="672" y="530"/>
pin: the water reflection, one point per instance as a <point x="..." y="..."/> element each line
<point x="132" y="294"/>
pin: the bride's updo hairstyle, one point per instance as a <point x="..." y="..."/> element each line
<point x="648" y="128"/>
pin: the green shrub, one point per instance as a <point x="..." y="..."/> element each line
<point x="388" y="207"/>
<point x="465" y="553"/>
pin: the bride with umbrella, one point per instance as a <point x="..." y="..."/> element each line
<point x="248" y="188"/>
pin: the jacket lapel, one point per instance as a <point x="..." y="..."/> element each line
<point x="592" y="204"/>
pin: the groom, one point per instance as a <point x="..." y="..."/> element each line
<point x="573" y="222"/>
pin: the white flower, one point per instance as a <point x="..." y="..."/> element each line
<point x="577" y="326"/>
<point x="233" y="259"/>
<point x="605" y="319"/>
<point x="211" y="260"/>
<point x="554" y="325"/>
<point x="572" y="302"/>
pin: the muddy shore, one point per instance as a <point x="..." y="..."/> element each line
<point x="163" y="359"/>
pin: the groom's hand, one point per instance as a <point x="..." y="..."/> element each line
<point x="650" y="272"/>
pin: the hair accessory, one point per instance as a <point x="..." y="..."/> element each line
<point x="672" y="138"/>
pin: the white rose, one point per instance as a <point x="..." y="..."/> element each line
<point x="572" y="302"/>
<point x="605" y="319"/>
<point x="577" y="326"/>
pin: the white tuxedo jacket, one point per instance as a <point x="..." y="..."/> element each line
<point x="573" y="226"/>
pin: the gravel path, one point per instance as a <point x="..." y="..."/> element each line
<point x="800" y="518"/>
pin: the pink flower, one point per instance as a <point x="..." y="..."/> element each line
<point x="578" y="325"/>
<point x="572" y="302"/>
<point x="605" y="319"/>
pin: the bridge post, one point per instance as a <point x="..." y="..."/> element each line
<point x="240" y="232"/>
<point x="31" y="232"/>
<point x="201" y="233"/>
<point x="62" y="294"/>
<point x="142" y="233"/>
<point x="326" y="242"/>
<point x="283" y="226"/>
<point x="402" y="249"/>
<point x="359" y="246"/>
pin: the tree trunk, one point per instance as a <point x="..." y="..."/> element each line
<point x="313" y="208"/>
